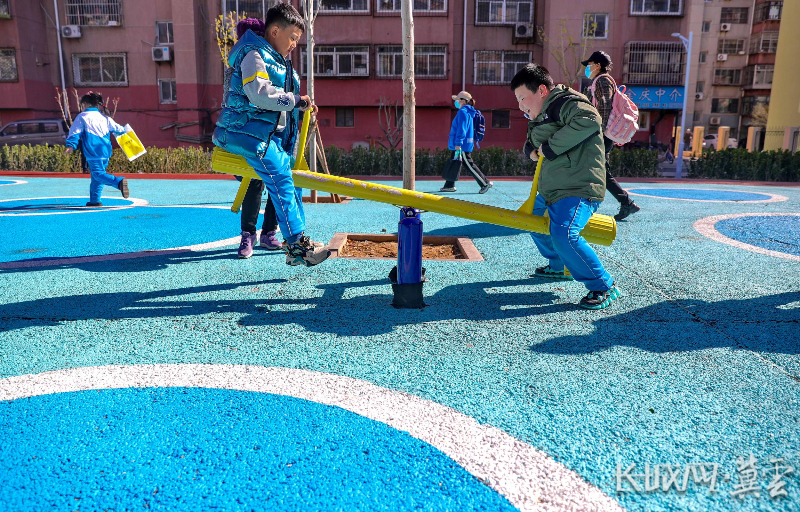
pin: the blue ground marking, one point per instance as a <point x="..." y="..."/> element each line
<point x="111" y="231"/>
<point x="776" y="233"/>
<point x="6" y="182"/>
<point x="200" y="449"/>
<point x="701" y="194"/>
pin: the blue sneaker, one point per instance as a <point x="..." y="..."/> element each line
<point x="548" y="272"/>
<point x="600" y="300"/>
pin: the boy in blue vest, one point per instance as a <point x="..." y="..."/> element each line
<point x="260" y="122"/>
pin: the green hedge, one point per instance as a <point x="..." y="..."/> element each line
<point x="732" y="164"/>
<point x="740" y="164"/>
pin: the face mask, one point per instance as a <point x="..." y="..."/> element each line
<point x="457" y="104"/>
<point x="526" y="116"/>
<point x="588" y="72"/>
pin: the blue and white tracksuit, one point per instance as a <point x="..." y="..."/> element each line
<point x="93" y="130"/>
<point x="260" y="122"/>
<point x="462" y="132"/>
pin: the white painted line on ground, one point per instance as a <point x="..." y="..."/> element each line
<point x="707" y="227"/>
<point x="527" y="477"/>
<point x="75" y="209"/>
<point x="773" y="198"/>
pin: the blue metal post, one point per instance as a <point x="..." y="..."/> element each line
<point x="409" y="247"/>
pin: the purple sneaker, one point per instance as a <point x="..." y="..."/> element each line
<point x="246" y="245"/>
<point x="268" y="241"/>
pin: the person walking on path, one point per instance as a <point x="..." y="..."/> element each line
<point x="603" y="88"/>
<point x="461" y="143"/>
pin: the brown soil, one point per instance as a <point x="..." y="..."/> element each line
<point x="369" y="249"/>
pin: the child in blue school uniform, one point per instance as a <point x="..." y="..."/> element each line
<point x="260" y="122"/>
<point x="92" y="129"/>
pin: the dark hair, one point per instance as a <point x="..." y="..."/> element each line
<point x="254" y="24"/>
<point x="532" y="76"/>
<point x="284" y="15"/>
<point x="606" y="69"/>
<point x="92" y="100"/>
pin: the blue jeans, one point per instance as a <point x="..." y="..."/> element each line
<point x="276" y="173"/>
<point x="100" y="178"/>
<point x="564" y="246"/>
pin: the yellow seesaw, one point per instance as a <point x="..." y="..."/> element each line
<point x="601" y="229"/>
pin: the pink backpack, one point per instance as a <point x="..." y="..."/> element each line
<point x="623" y="122"/>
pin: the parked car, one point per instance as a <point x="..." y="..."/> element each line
<point x="710" y="142"/>
<point x="34" y="131"/>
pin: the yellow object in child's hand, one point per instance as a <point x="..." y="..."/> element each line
<point x="130" y="144"/>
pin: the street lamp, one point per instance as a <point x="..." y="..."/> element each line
<point x="687" y="43"/>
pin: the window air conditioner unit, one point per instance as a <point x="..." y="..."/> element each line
<point x="698" y="96"/>
<point x="714" y="120"/>
<point x="722" y="57"/>
<point x="724" y="27"/>
<point x="71" y="31"/>
<point x="523" y="31"/>
<point x="161" y="53"/>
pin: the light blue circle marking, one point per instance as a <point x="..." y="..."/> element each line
<point x="774" y="233"/>
<point x="200" y="449"/>
<point x="55" y="204"/>
<point x="112" y="231"/>
<point x="701" y="194"/>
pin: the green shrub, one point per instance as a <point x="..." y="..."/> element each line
<point x="740" y="164"/>
<point x="637" y="163"/>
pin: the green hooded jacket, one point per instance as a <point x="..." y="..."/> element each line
<point x="573" y="148"/>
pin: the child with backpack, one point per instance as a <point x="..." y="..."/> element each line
<point x="464" y="134"/>
<point x="603" y="91"/>
<point x="565" y="130"/>
<point x="92" y="129"/>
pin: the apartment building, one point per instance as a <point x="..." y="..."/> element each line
<point x="757" y="77"/>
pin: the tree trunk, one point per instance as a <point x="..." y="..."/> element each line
<point x="409" y="103"/>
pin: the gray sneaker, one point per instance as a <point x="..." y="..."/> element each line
<point x="447" y="189"/>
<point x="485" y="189"/>
<point x="304" y="252"/>
<point x="246" y="245"/>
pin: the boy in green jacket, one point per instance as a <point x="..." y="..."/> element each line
<point x="566" y="130"/>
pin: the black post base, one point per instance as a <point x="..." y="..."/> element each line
<point x="407" y="296"/>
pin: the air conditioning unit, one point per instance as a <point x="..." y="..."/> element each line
<point x="161" y="54"/>
<point x="713" y="120"/>
<point x="722" y="57"/>
<point x="724" y="27"/>
<point x="71" y="31"/>
<point x="742" y="52"/>
<point x="524" y="31"/>
<point x="698" y="96"/>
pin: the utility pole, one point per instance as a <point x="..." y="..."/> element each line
<point x="409" y="103"/>
<point x="687" y="43"/>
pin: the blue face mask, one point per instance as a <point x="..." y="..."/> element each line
<point x="588" y="72"/>
<point x="526" y="116"/>
<point x="457" y="104"/>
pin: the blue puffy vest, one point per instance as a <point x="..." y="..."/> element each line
<point x="243" y="128"/>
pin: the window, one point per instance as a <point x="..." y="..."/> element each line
<point x="50" y="128"/>
<point x="595" y="25"/>
<point x="95" y="69"/>
<point x="8" y="65"/>
<point x="164" y="33"/>
<point x="730" y="46"/>
<point x="767" y="11"/>
<point x="702" y="57"/>
<point x="750" y="102"/>
<point x="644" y="121"/>
<point x="706" y="27"/>
<point x="700" y="87"/>
<point x="429" y="61"/>
<point x="432" y="6"/>
<point x="169" y="91"/>
<point x="765" y="42"/>
<point x="734" y="15"/>
<point x="344" y="6"/>
<point x="759" y="76"/>
<point x="344" y="117"/>
<point x="500" y="119"/>
<point x="501" y="12"/>
<point x="249" y="8"/>
<point x="727" y="76"/>
<point x="498" y="68"/>
<point x="12" y="129"/>
<point x="656" y="7"/>
<point x="337" y="61"/>
<point x="725" y="106"/>
<point x="5" y="12"/>
<point x="98" y="13"/>
<point x="654" y="63"/>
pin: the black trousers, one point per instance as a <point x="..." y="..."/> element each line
<point x="473" y="169"/>
<point x="611" y="184"/>
<point x="251" y="206"/>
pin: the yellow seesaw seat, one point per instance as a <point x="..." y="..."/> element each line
<point x="601" y="229"/>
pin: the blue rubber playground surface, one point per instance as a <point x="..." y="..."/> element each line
<point x="143" y="365"/>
